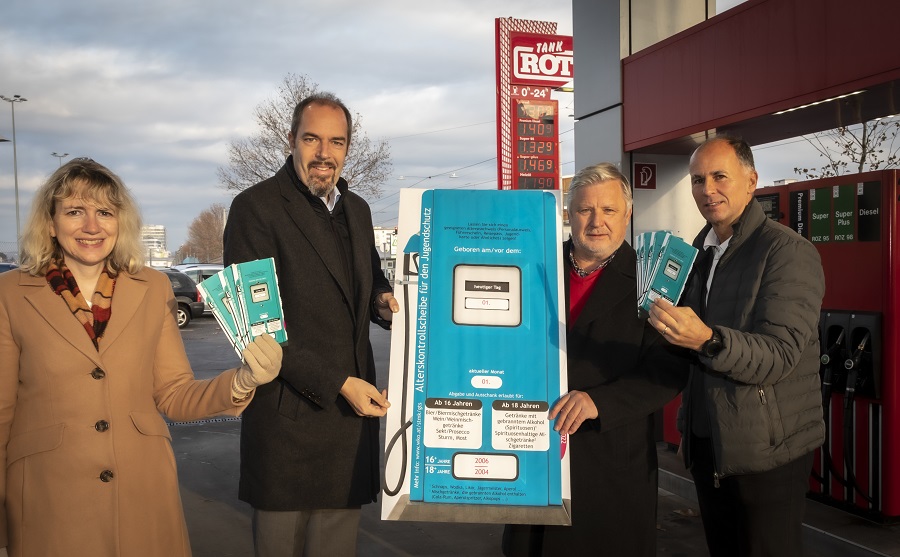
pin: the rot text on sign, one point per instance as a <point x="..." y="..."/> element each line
<point x="541" y="60"/>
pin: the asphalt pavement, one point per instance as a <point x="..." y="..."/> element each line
<point x="219" y="524"/>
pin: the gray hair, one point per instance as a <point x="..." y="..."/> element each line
<point x="597" y="173"/>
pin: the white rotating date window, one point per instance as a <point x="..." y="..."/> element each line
<point x="487" y="295"/>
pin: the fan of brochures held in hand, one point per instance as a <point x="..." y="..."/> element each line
<point x="246" y="302"/>
<point x="664" y="262"/>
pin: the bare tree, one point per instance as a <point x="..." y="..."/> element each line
<point x="854" y="149"/>
<point x="204" y="239"/>
<point x="253" y="159"/>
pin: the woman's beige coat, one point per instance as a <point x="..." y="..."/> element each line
<point x="89" y="465"/>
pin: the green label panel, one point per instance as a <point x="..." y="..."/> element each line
<point x="820" y="215"/>
<point x="844" y="213"/>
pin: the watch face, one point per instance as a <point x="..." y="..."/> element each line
<point x="712" y="346"/>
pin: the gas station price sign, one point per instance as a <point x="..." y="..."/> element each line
<point x="536" y="144"/>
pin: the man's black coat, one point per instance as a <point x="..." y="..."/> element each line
<point x="302" y="445"/>
<point x="629" y="372"/>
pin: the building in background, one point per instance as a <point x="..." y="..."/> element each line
<point x="386" y="244"/>
<point x="153" y="236"/>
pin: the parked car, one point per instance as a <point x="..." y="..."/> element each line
<point x="7" y="267"/>
<point x="190" y="304"/>
<point x="199" y="272"/>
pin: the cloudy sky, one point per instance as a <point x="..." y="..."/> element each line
<point x="157" y="90"/>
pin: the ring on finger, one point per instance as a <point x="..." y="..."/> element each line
<point x="666" y="330"/>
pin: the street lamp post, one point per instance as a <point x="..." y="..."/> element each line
<point x="60" y="157"/>
<point x="12" y="104"/>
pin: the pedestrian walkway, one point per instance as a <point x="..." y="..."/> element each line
<point x="219" y="524"/>
<point x="828" y="532"/>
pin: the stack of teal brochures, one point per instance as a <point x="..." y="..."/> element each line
<point x="246" y="302"/>
<point x="664" y="262"/>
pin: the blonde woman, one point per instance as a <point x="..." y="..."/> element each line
<point x="90" y="357"/>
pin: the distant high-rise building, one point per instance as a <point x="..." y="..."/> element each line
<point x="385" y="240"/>
<point x="153" y="236"/>
<point x="386" y="244"/>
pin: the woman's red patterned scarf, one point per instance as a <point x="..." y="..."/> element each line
<point x="93" y="318"/>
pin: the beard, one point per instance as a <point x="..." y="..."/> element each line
<point x="319" y="187"/>
<point x="596" y="251"/>
<point x="319" y="183"/>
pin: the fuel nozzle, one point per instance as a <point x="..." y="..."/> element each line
<point x="852" y="362"/>
<point x="852" y="367"/>
<point x="826" y="360"/>
<point x="832" y="351"/>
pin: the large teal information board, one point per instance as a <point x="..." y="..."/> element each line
<point x="479" y="361"/>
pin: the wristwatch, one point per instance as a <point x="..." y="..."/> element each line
<point x="713" y="346"/>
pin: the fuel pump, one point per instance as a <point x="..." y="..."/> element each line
<point x="853" y="223"/>
<point x="845" y="372"/>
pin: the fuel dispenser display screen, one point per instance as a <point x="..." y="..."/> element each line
<point x="769" y="204"/>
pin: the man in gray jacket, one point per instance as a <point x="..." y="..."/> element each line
<point x="752" y="414"/>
